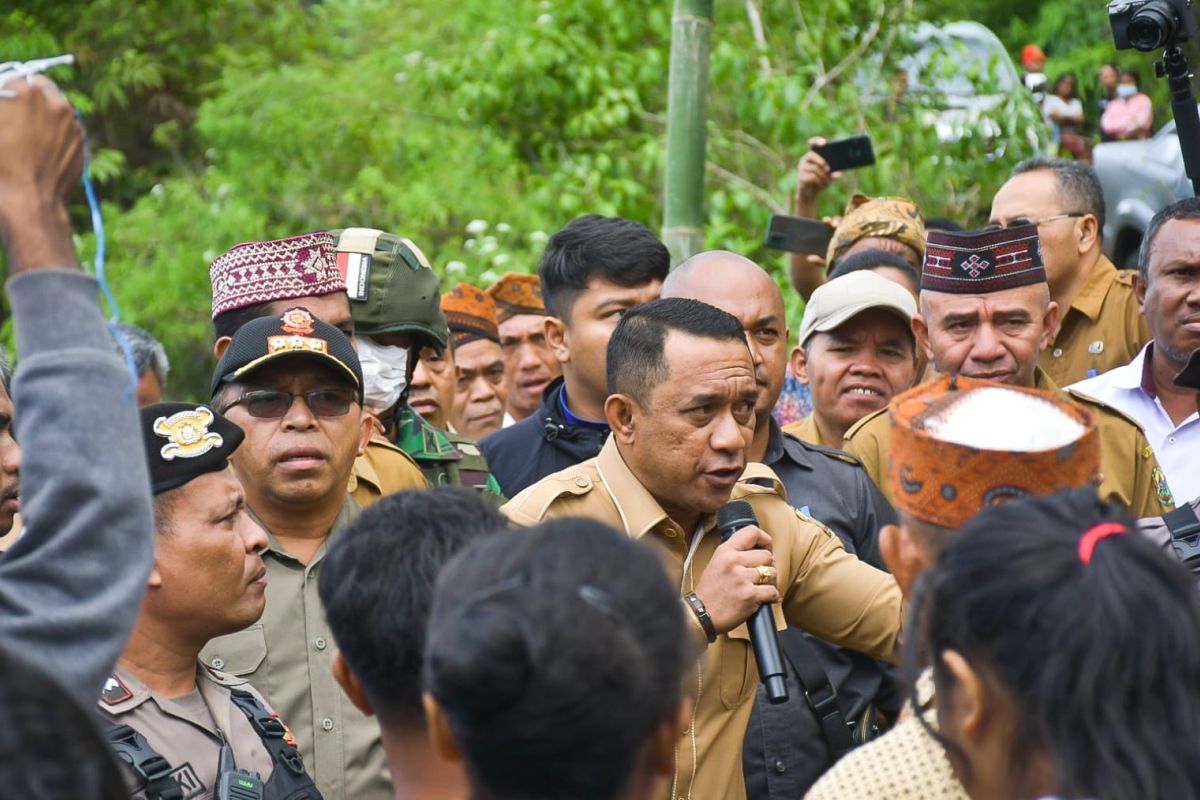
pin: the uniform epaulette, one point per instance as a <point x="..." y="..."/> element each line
<point x="760" y="479"/>
<point x="834" y="453"/>
<point x="534" y="501"/>
<point x="858" y="425"/>
<point x="1085" y="398"/>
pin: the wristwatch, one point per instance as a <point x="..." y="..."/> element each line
<point x="697" y="606"/>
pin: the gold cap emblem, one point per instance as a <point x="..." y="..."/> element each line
<point x="187" y="434"/>
<point x="297" y="321"/>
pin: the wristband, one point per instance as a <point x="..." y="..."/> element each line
<point x="697" y="606"/>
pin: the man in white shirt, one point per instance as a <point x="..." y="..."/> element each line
<point x="1167" y="286"/>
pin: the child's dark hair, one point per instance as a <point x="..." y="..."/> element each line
<point x="376" y="587"/>
<point x="555" y="652"/>
<point x="1099" y="649"/>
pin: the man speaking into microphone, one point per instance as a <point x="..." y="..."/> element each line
<point x="681" y="409"/>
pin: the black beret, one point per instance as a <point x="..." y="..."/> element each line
<point x="293" y="334"/>
<point x="184" y="441"/>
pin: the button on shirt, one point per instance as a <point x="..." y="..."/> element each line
<point x="286" y="656"/>
<point x="1131" y="389"/>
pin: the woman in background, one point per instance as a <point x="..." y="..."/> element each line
<point x="1129" y="115"/>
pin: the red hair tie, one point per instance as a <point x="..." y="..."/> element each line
<point x="1087" y="543"/>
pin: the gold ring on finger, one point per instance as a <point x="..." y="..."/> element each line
<point x="765" y="575"/>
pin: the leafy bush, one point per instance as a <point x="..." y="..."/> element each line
<point x="476" y="128"/>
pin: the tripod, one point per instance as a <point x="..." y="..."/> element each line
<point x="1174" y="68"/>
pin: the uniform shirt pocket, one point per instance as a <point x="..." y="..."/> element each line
<point x="739" y="675"/>
<point x="240" y="653"/>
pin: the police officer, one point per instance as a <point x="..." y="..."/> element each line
<point x="681" y="406"/>
<point x="169" y="716"/>
<point x="986" y="313"/>
<point x="265" y="279"/>
<point x="395" y="302"/>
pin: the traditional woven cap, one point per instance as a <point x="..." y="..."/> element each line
<point x="960" y="445"/>
<point x="1189" y="376"/>
<point x="471" y="314"/>
<point x="392" y="288"/>
<point x="885" y="217"/>
<point x="283" y="269"/>
<point x="844" y="297"/>
<point x="294" y="334"/>
<point x="980" y="262"/>
<point x="184" y="441"/>
<point x="517" y="294"/>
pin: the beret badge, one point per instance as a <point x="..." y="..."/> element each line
<point x="187" y="434"/>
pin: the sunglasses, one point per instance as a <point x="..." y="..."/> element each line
<point x="275" y="403"/>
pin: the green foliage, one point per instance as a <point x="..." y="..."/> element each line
<point x="476" y="128"/>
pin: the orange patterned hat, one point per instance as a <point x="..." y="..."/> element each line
<point x="960" y="445"/>
<point x="517" y="294"/>
<point x="471" y="314"/>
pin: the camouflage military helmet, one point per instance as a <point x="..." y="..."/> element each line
<point x="392" y="288"/>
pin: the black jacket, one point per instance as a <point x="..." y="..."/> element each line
<point x="539" y="445"/>
<point x="785" y="750"/>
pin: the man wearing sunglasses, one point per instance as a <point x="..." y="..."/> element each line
<point x="1100" y="326"/>
<point x="294" y="384"/>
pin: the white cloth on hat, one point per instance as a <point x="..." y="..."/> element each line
<point x="973" y="421"/>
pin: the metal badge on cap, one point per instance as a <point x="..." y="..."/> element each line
<point x="187" y="434"/>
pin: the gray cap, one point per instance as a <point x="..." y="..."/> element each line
<point x="835" y="302"/>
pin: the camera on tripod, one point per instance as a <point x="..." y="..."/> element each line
<point x="1148" y="25"/>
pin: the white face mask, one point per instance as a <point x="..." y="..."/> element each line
<point x="385" y="373"/>
<point x="1126" y="90"/>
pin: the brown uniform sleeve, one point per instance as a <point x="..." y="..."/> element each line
<point x="839" y="598"/>
<point x="868" y="441"/>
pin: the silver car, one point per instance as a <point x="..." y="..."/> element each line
<point x="1138" y="178"/>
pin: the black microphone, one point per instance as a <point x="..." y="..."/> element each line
<point x="731" y="518"/>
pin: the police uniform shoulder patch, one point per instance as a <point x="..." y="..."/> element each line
<point x="1161" y="489"/>
<point x="815" y="522"/>
<point x="115" y="691"/>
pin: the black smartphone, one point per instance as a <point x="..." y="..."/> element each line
<point x="849" y="153"/>
<point x="798" y="235"/>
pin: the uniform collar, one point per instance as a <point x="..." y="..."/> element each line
<point x="1091" y="296"/>
<point x="422" y="441"/>
<point x="780" y="446"/>
<point x="344" y="516"/>
<point x="639" y="511"/>
<point x="1044" y="382"/>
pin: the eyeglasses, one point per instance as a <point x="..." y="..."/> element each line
<point x="274" y="403"/>
<point x="1020" y="221"/>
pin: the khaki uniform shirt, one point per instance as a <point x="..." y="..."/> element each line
<point x="1102" y="329"/>
<point x="904" y="762"/>
<point x="383" y="469"/>
<point x="1131" y="474"/>
<point x="287" y="655"/>
<point x="188" y="731"/>
<point x="825" y="590"/>
<point x="806" y="431"/>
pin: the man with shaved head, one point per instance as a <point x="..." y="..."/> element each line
<point x="828" y="485"/>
